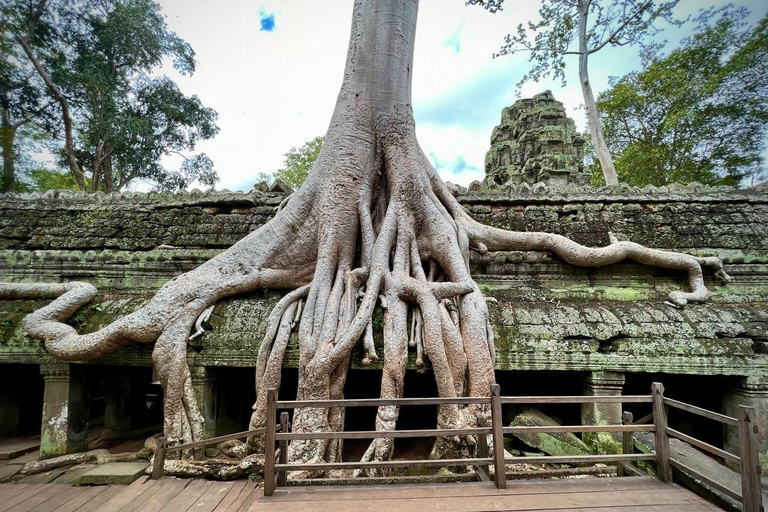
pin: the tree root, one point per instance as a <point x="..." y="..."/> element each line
<point x="214" y="469"/>
<point x="95" y="456"/>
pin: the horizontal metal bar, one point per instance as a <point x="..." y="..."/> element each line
<point x="704" y="446"/>
<point x="574" y="459"/>
<point x="216" y="440"/>
<point x="580" y="428"/>
<point x="577" y="399"/>
<point x="708" y="481"/>
<point x="381" y="464"/>
<point x="384" y="434"/>
<point x="722" y="418"/>
<point x="378" y="402"/>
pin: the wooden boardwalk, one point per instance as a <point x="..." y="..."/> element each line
<point x="630" y="494"/>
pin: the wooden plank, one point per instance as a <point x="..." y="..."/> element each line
<point x="84" y="495"/>
<point x="663" y="470"/>
<point x="245" y="492"/>
<point x="579" y="428"/>
<point x="130" y="493"/>
<point x="7" y="491"/>
<point x="447" y="490"/>
<point x="378" y="402"/>
<point x="187" y="497"/>
<point x="722" y="418"/>
<point x="149" y="494"/>
<point x="285" y="426"/>
<point x="752" y="499"/>
<point x="702" y="445"/>
<point x="97" y="504"/>
<point x="577" y="399"/>
<point x="211" y="498"/>
<point x="31" y="502"/>
<point x="62" y="498"/>
<point x="497" y="425"/>
<point x="231" y="497"/>
<point x="708" y="481"/>
<point x="482" y="449"/>
<point x="627" y="446"/>
<point x="352" y="434"/>
<point x="575" y="459"/>
<point x="159" y="499"/>
<point x="252" y="497"/>
<point x="670" y="496"/>
<point x="645" y="419"/>
<point x="319" y="466"/>
<point x="20" y="497"/>
<point x="216" y="440"/>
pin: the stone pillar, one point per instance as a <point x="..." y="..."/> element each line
<point x="65" y="410"/>
<point x="753" y="392"/>
<point x="204" y="385"/>
<point x="602" y="384"/>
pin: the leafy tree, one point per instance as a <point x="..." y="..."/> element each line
<point x="583" y="28"/>
<point x="297" y="163"/>
<point x="698" y="114"/>
<point x="96" y="58"/>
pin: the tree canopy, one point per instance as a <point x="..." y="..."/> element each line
<point x="297" y="163"/>
<point x="697" y="114"/>
<point x="98" y="61"/>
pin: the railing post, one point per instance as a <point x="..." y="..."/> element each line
<point x="282" y="475"/>
<point x="158" y="466"/>
<point x="627" y="442"/>
<point x="497" y="424"/>
<point x="482" y="448"/>
<point x="751" y="497"/>
<point x="269" y="444"/>
<point x="663" y="469"/>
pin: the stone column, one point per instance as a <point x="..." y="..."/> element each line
<point x="65" y="410"/>
<point x="204" y="385"/>
<point x="602" y="384"/>
<point x="753" y="392"/>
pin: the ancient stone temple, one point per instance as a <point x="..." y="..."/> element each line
<point x="536" y="142"/>
<point x="559" y="329"/>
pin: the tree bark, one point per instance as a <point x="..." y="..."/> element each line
<point x="7" y="139"/>
<point x="69" y="146"/>
<point x="593" y="120"/>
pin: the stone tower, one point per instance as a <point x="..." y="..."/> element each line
<point x="535" y="142"/>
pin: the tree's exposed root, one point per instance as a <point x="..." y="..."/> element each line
<point x="93" y="456"/>
<point x="215" y="469"/>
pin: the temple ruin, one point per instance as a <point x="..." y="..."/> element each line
<point x="536" y="142"/>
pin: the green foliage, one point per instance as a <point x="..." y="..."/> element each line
<point x="46" y="179"/>
<point x="556" y="34"/>
<point x="698" y="114"/>
<point x="297" y="164"/>
<point x="103" y="55"/>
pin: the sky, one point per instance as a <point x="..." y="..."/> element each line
<point x="272" y="70"/>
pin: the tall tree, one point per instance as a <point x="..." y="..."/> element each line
<point x="96" y="59"/>
<point x="297" y="163"/>
<point x="698" y="114"/>
<point x="583" y="28"/>
<point x="372" y="220"/>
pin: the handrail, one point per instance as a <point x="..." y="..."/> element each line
<point x="722" y="418"/>
<point x="377" y="402"/>
<point x="577" y="399"/>
<point x="704" y="446"/>
<point x="217" y="440"/>
<point x="559" y="429"/>
<point x="383" y="434"/>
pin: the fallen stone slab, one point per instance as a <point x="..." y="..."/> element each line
<point x="114" y="473"/>
<point x="42" y="478"/>
<point x="550" y="443"/>
<point x="72" y="477"/>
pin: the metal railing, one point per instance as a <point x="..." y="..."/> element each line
<point x="276" y="470"/>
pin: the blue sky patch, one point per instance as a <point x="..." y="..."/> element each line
<point x="267" y="20"/>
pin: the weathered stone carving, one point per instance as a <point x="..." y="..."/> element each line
<point x="536" y="142"/>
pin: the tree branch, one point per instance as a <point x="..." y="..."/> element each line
<point x="621" y="27"/>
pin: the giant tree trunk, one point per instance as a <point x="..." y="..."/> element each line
<point x="372" y="224"/>
<point x="593" y="120"/>
<point x="7" y="138"/>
